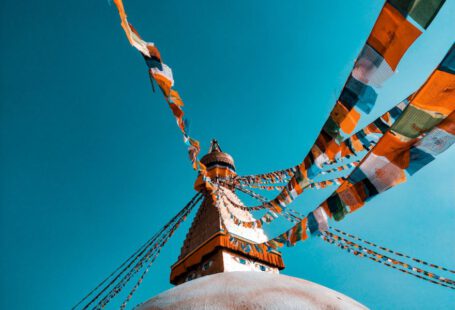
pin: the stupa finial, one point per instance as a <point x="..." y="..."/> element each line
<point x="214" y="146"/>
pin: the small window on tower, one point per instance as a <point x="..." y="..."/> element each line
<point x="262" y="267"/>
<point x="242" y="261"/>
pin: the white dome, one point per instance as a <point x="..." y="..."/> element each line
<point x="250" y="290"/>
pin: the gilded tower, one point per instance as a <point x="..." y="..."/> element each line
<point x="210" y="246"/>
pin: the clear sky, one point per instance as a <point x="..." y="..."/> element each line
<point x="92" y="163"/>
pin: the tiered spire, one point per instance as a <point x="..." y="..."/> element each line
<point x="211" y="245"/>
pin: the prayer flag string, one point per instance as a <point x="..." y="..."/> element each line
<point x="425" y="129"/>
<point x="399" y="143"/>
<point x="395" y="30"/>
<point x="361" y="251"/>
<point x="279" y="176"/>
<point x="363" y="140"/>
<point x="163" y="76"/>
<point x="120" y="277"/>
<point x="420" y="261"/>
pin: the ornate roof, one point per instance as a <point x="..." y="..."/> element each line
<point x="216" y="156"/>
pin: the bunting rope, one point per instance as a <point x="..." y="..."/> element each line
<point x="313" y="184"/>
<point x="390" y="37"/>
<point x="245" y="208"/>
<point x="150" y="255"/>
<point x="278" y="176"/>
<point x="270" y="204"/>
<point x="141" y="278"/>
<point x="420" y="261"/>
<point x="266" y="187"/>
<point x="116" y="270"/>
<point x="131" y="262"/>
<point x="287" y="212"/>
<point x="378" y="260"/>
<point x="269" y="217"/>
<point x="256" y="196"/>
<point x="162" y="74"/>
<point x="363" y="140"/>
<point x="244" y="245"/>
<point x="352" y="164"/>
<point x="395" y="30"/>
<point x="139" y="282"/>
<point x="425" y="129"/>
<point x="361" y="251"/>
<point x="266" y="218"/>
<point x="403" y="140"/>
<point x="389" y="259"/>
<point x="130" y="266"/>
<point x="366" y="138"/>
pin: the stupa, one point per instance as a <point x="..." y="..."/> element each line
<point x="214" y="272"/>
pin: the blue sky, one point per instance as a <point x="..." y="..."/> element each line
<point x="92" y="163"/>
